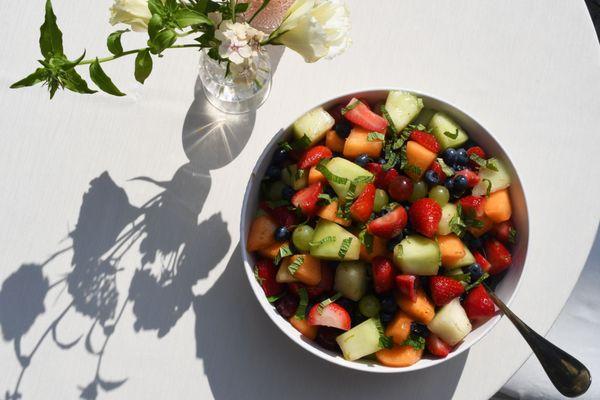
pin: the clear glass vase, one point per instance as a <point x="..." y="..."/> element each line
<point x="238" y="89"/>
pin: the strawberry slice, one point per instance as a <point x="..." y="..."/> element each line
<point x="360" y="114"/>
<point x="426" y="140"/>
<point x="473" y="206"/>
<point x="306" y="199"/>
<point x="265" y="272"/>
<point x="283" y="216"/>
<point x="479" y="304"/>
<point x="383" y="274"/>
<point x="332" y="315"/>
<point x="312" y="156"/>
<point x="437" y="346"/>
<point x="425" y="215"/>
<point x="388" y="225"/>
<point x="362" y="207"/>
<point x="437" y="168"/>
<point x="377" y="170"/>
<point x="482" y="261"/>
<point x="472" y="177"/>
<point x="443" y="289"/>
<point x="407" y="284"/>
<point x="504" y="232"/>
<point x="498" y="256"/>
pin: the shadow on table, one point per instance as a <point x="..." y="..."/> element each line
<point x="245" y="356"/>
<point x="175" y="249"/>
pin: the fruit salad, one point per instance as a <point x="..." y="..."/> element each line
<point x="378" y="224"/>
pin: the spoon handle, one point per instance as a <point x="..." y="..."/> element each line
<point x="566" y="373"/>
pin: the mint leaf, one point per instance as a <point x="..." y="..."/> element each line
<point x="285" y="146"/>
<point x="327" y="199"/>
<point x="366" y="239"/>
<point x="102" y="80"/>
<point x="113" y="42"/>
<point x="326" y="239"/>
<point x="350" y="106"/>
<point x="460" y="277"/>
<point x="284" y="251"/>
<point x="301" y="310"/>
<point x="375" y="136"/>
<point x="50" y="35"/>
<point x="512" y="235"/>
<point x="326" y="302"/>
<point x="293" y="267"/>
<point x="322" y="168"/>
<point x="273" y="299"/>
<point x="388" y="118"/>
<point x="491" y="164"/>
<point x="452" y="135"/>
<point x="344" y="247"/>
<point x="412" y="168"/>
<point x="477" y="282"/>
<point x="143" y="65"/>
<point x="445" y="168"/>
<point x="418" y="342"/>
<point x="489" y="187"/>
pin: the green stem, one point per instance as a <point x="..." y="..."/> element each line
<point x="128" y="52"/>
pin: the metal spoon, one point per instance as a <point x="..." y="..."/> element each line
<point x="566" y="373"/>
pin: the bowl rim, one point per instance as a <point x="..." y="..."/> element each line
<point x="306" y="343"/>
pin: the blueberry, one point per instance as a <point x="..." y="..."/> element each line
<point x="287" y="192"/>
<point x="462" y="158"/>
<point x="273" y="172"/>
<point x="457" y="194"/>
<point x="282" y="234"/>
<point x="419" y="329"/>
<point x="343" y="128"/>
<point x="431" y="177"/>
<point x="457" y="167"/>
<point x="280" y="156"/>
<point x="449" y="156"/>
<point x="386" y="318"/>
<point x="388" y="304"/>
<point x="475" y="271"/>
<point x="472" y="241"/>
<point x="449" y="183"/>
<point x="460" y="183"/>
<point x="363" y="159"/>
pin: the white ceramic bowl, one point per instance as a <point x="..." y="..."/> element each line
<point x="505" y="290"/>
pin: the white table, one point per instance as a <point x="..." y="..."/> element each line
<point x="527" y="70"/>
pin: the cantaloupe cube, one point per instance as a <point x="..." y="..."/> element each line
<point x="334" y="142"/>
<point x="497" y="206"/>
<point x="418" y="159"/>
<point x="487" y="225"/>
<point x="399" y="327"/>
<point x="262" y="233"/>
<point x="309" y="271"/>
<point x="272" y="250"/>
<point x="302" y="326"/>
<point x="379" y="248"/>
<point x="329" y="212"/>
<point x="451" y="248"/>
<point x="357" y="144"/>
<point x="315" y="176"/>
<point x="399" y="356"/>
<point x="421" y="310"/>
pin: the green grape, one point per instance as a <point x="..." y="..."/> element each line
<point x="302" y="236"/>
<point x="369" y="306"/>
<point x="419" y="191"/>
<point x="274" y="190"/>
<point x="351" y="279"/>
<point x="440" y="194"/>
<point x="381" y="199"/>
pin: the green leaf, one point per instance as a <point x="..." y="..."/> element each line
<point x="418" y="342"/>
<point x="50" y="34"/>
<point x="273" y="299"/>
<point x="293" y="267"/>
<point x="328" y="301"/>
<point x="241" y="7"/>
<point x="156" y="6"/>
<point x="102" y="80"/>
<point x="285" y="146"/>
<point x="489" y="187"/>
<point x="452" y="135"/>
<point x="301" y="310"/>
<point x="154" y="25"/>
<point x="477" y="282"/>
<point x="512" y="235"/>
<point x="75" y="83"/>
<point x="284" y="251"/>
<point x="113" y="42"/>
<point x="388" y="118"/>
<point x="65" y="64"/>
<point x="326" y="239"/>
<point x="162" y="40"/>
<point x="350" y="106"/>
<point x="186" y="17"/>
<point x="143" y="65"/>
<point x="445" y="168"/>
<point x="36" y="77"/>
<point x="374" y="136"/>
<point x="366" y="239"/>
<point x="344" y="247"/>
<point x="412" y="168"/>
<point x="330" y="176"/>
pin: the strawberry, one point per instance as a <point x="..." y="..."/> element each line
<point x="437" y="168"/>
<point x="361" y="115"/>
<point x="437" y="346"/>
<point x="377" y="170"/>
<point x="504" y="232"/>
<point x="482" y="261"/>
<point x="388" y="225"/>
<point x="362" y="207"/>
<point x="425" y="215"/>
<point x="476" y="150"/>
<point x="283" y="216"/>
<point x="498" y="256"/>
<point x="472" y="177"/>
<point x="479" y="304"/>
<point x="306" y="199"/>
<point x="407" y="285"/>
<point x="265" y="272"/>
<point x="426" y="140"/>
<point x="333" y="315"/>
<point x="443" y="289"/>
<point x="383" y="274"/>
<point x="473" y="206"/>
<point x="389" y="176"/>
<point x="312" y="156"/>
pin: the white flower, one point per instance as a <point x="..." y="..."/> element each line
<point x="134" y="13"/>
<point x="239" y="41"/>
<point x="315" y="29"/>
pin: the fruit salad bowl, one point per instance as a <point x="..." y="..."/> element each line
<point x="408" y="109"/>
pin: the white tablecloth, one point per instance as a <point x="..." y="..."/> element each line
<point x="527" y="70"/>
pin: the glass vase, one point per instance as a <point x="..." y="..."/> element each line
<point x="236" y="89"/>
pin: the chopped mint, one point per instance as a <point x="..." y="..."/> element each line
<point x="284" y="251"/>
<point x="374" y="136"/>
<point x="366" y="239"/>
<point x="477" y="282"/>
<point x="301" y="310"/>
<point x="326" y="302"/>
<point x="418" y="342"/>
<point x="512" y="235"/>
<point x="412" y="168"/>
<point x="387" y="117"/>
<point x="273" y="299"/>
<point x="258" y="278"/>
<point x="285" y="146"/>
<point x="327" y="199"/>
<point x="489" y="187"/>
<point x="452" y="135"/>
<point x="350" y="107"/>
<point x="331" y="177"/>
<point x="326" y="239"/>
<point x="293" y="267"/>
<point x="344" y="247"/>
<point x="445" y="168"/>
